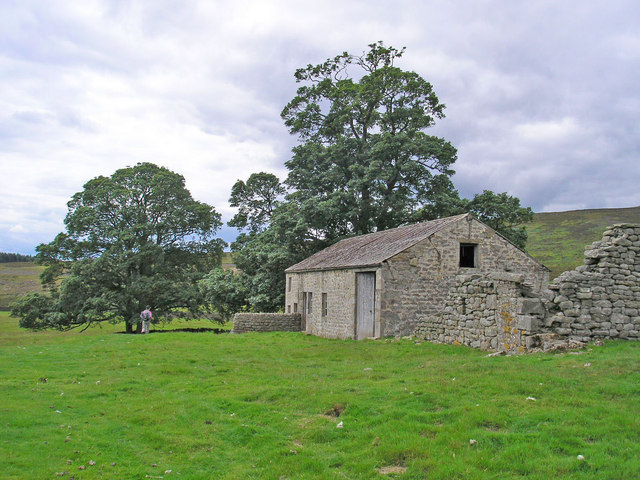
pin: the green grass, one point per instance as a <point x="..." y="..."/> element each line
<point x="558" y="239"/>
<point x="256" y="406"/>
<point x="16" y="279"/>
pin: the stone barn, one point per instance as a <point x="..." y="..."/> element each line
<point x="386" y="283"/>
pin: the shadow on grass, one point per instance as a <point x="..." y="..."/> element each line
<point x="185" y="329"/>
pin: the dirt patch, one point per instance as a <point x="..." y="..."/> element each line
<point x="388" y="470"/>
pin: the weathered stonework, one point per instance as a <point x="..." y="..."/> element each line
<point x="411" y="287"/>
<point x="504" y="312"/>
<point x="600" y="299"/>
<point x="265" y="322"/>
<point x="491" y="311"/>
<point x="416" y="282"/>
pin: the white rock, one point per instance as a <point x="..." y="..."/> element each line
<point x="531" y="399"/>
<point x="581" y="457"/>
<point x="340" y="425"/>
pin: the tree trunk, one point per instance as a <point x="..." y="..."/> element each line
<point x="129" y="327"/>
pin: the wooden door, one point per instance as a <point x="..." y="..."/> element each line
<point x="365" y="304"/>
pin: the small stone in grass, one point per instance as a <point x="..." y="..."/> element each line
<point x="472" y="441"/>
<point x="92" y="463"/>
<point x="340" y="425"/>
<point x="82" y="467"/>
<point x="581" y="457"/>
<point x="532" y="399"/>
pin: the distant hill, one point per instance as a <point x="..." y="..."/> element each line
<point x="558" y="239"/>
<point x="17" y="279"/>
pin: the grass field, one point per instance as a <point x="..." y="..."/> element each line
<point x="16" y="279"/>
<point x="558" y="239"/>
<point x="100" y="405"/>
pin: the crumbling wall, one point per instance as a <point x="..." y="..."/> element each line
<point x="502" y="311"/>
<point x="266" y="322"/>
<point x="493" y="311"/>
<point x="600" y="299"/>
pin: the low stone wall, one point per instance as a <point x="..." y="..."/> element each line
<point x="494" y="311"/>
<point x="500" y="311"/>
<point x="600" y="299"/>
<point x="266" y="322"/>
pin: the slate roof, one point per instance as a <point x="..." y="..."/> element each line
<point x="372" y="249"/>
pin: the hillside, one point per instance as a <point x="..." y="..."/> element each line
<point x="558" y="239"/>
<point x="16" y="279"/>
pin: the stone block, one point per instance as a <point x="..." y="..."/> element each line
<point x="528" y="323"/>
<point x="531" y="306"/>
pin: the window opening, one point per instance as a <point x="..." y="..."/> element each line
<point x="468" y="255"/>
<point x="309" y="302"/>
<point x="324" y="304"/>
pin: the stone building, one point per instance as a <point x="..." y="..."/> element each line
<point x="389" y="282"/>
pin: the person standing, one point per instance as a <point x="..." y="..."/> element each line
<point x="146" y="316"/>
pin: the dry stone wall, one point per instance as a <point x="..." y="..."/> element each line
<point x="600" y="299"/>
<point x="266" y="322"/>
<point x="492" y="311"/>
<point x="505" y="312"/>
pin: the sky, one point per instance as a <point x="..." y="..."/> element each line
<point x="542" y="96"/>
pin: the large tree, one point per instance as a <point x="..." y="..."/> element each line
<point x="133" y="239"/>
<point x="365" y="162"/>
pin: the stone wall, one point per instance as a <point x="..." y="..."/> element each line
<point x="266" y="322"/>
<point x="418" y="281"/>
<point x="339" y="286"/>
<point x="600" y="299"/>
<point x="492" y="311"/>
<point x="505" y="312"/>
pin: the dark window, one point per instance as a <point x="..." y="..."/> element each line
<point x="468" y="255"/>
<point x="309" y="302"/>
<point x="289" y="283"/>
<point x="324" y="304"/>
<point x="295" y="308"/>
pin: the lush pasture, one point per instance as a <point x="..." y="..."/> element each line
<point x="205" y="405"/>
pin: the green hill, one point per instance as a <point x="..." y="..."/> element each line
<point x="16" y="279"/>
<point x="558" y="239"/>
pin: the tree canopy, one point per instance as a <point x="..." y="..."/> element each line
<point x="133" y="239"/>
<point x="364" y="163"/>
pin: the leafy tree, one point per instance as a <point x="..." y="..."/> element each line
<point x="257" y="199"/>
<point x="503" y="213"/>
<point x="136" y="238"/>
<point x="365" y="163"/>
<point x="225" y="291"/>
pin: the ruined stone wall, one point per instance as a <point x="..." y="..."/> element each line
<point x="491" y="311"/>
<point x="505" y="312"/>
<point x="418" y="281"/>
<point x="600" y="299"/>
<point x="266" y="322"/>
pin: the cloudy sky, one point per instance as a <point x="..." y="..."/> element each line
<point x="543" y="97"/>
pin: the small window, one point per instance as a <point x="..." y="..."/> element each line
<point x="289" y="283"/>
<point x="324" y="304"/>
<point x="309" y="302"/>
<point x="468" y="255"/>
<point x="295" y="308"/>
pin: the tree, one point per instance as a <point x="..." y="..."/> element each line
<point x="225" y="291"/>
<point x="136" y="238"/>
<point x="365" y="163"/>
<point x="257" y="199"/>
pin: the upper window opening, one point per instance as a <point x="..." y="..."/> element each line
<point x="468" y="253"/>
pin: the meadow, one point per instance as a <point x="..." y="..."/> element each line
<point x="181" y="404"/>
